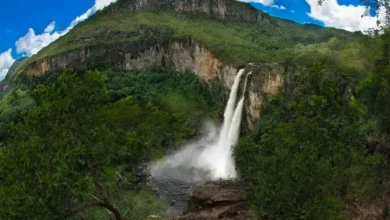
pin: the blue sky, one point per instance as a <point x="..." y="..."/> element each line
<point x="28" y="26"/>
<point x="17" y="16"/>
<point x="297" y="10"/>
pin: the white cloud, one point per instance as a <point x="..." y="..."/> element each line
<point x="100" y="4"/>
<point x="32" y="43"/>
<point x="3" y="74"/>
<point x="281" y="7"/>
<point x="81" y="18"/>
<point x="347" y="17"/>
<point x="264" y="2"/>
<point x="6" y="60"/>
<point x="50" y="27"/>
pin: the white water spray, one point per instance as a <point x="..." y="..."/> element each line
<point x="211" y="157"/>
<point x="234" y="131"/>
<point x="218" y="157"/>
<point x="233" y="136"/>
<point x="229" y="111"/>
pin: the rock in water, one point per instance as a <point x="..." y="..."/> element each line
<point x="218" y="200"/>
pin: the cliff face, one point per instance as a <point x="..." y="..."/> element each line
<point x="179" y="55"/>
<point x="266" y="80"/>
<point x="220" y="9"/>
<point x="157" y="47"/>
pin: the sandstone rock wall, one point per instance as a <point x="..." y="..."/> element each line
<point x="220" y="9"/>
<point x="218" y="200"/>
<point x="181" y="56"/>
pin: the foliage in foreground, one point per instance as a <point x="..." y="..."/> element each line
<point x="310" y="151"/>
<point x="60" y="159"/>
<point x="11" y="106"/>
<point x="135" y="206"/>
<point x="308" y="154"/>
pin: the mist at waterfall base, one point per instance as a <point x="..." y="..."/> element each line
<point x="208" y="158"/>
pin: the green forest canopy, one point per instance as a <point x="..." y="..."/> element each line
<point x="64" y="138"/>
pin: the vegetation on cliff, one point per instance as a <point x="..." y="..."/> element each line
<point x="310" y="153"/>
<point x="233" y="41"/>
<point x="66" y="137"/>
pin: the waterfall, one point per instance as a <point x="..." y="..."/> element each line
<point x="229" y="110"/>
<point x="211" y="157"/>
<point x="234" y="132"/>
<point x="208" y="158"/>
<point x="224" y="167"/>
<point x="217" y="156"/>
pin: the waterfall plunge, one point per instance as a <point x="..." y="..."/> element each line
<point x="209" y="158"/>
<point x="219" y="156"/>
<point x="228" y="170"/>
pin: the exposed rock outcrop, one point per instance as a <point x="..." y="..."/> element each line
<point x="266" y="80"/>
<point x="179" y="55"/>
<point x="218" y="200"/>
<point x="219" y="9"/>
<point x="376" y="208"/>
<point x="157" y="47"/>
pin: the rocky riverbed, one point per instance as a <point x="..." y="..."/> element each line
<point x="217" y="200"/>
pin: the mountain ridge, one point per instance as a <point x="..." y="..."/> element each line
<point x="139" y="34"/>
<point x="241" y="26"/>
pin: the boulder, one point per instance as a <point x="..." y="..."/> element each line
<point x="218" y="200"/>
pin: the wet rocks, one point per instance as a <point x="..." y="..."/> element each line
<point x="218" y="200"/>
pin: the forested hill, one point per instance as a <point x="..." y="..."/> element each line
<point x="234" y="31"/>
<point x="81" y="118"/>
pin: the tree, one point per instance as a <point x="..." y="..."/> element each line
<point x="58" y="153"/>
<point x="375" y="88"/>
<point x="310" y="150"/>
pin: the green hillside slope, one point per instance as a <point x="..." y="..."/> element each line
<point x="315" y="131"/>
<point x="233" y="40"/>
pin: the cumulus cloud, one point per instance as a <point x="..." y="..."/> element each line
<point x="347" y="17"/>
<point x="3" y="74"/>
<point x="100" y="4"/>
<point x="32" y="43"/>
<point x="50" y="27"/>
<point x="264" y="2"/>
<point x="81" y="18"/>
<point x="281" y="7"/>
<point x="6" y="60"/>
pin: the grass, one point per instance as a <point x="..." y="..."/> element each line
<point x="232" y="41"/>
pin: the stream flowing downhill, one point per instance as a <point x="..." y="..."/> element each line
<point x="209" y="158"/>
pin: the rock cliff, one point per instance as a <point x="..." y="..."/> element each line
<point x="157" y="47"/>
<point x="183" y="56"/>
<point x="220" y="9"/>
<point x="218" y="200"/>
